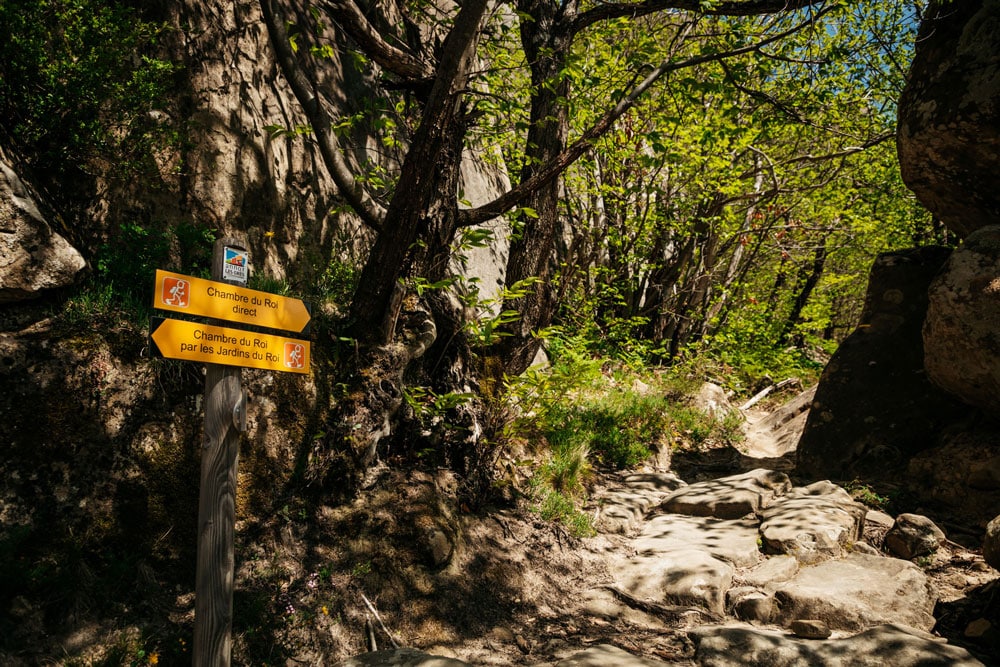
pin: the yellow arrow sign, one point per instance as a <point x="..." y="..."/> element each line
<point x="210" y="298"/>
<point x="191" y="341"/>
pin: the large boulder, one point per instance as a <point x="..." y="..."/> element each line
<point x="961" y="345"/>
<point x="812" y="523"/>
<point x="949" y="114"/>
<point x="33" y="258"/>
<point x="858" y="592"/>
<point x="874" y="406"/>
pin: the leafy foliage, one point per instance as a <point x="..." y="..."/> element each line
<point x="125" y="268"/>
<point x="77" y="82"/>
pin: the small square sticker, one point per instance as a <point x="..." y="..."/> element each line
<point x="176" y="292"/>
<point x="235" y="265"/>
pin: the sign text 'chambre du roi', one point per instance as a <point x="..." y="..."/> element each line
<point x="210" y="298"/>
<point x="213" y="344"/>
<point x="193" y="341"/>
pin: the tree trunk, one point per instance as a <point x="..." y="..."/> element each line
<point x="546" y="44"/>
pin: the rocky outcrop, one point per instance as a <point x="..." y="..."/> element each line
<point x="874" y="407"/>
<point x="857" y="592"/>
<point x="812" y="523"/>
<point x="33" y="258"/>
<point x="246" y="162"/>
<point x="991" y="543"/>
<point x="795" y="553"/>
<point x="949" y="114"/>
<point x="889" y="644"/>
<point x="960" y="334"/>
<point x="729" y="497"/>
<point x="962" y="473"/>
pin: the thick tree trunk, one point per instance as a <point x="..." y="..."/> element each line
<point x="425" y="203"/>
<point x="546" y="45"/>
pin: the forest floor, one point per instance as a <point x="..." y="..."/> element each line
<point x="516" y="590"/>
<point x="407" y="562"/>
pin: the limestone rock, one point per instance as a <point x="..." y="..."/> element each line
<point x="991" y="543"/>
<point x="896" y="645"/>
<point x="912" y="536"/>
<point x="683" y="577"/>
<point x="712" y="400"/>
<point x="729" y="497"/>
<point x="961" y="349"/>
<point x="239" y="174"/>
<point x="812" y="523"/>
<point x="622" y="509"/>
<point x="33" y="258"/>
<point x="961" y="472"/>
<point x="874" y="407"/>
<point x="771" y="571"/>
<point x="733" y="540"/>
<point x="877" y="524"/>
<point x="750" y="604"/>
<point x="401" y="657"/>
<point x="605" y="655"/>
<point x="949" y="114"/>
<point x="857" y="592"/>
<point x="809" y="629"/>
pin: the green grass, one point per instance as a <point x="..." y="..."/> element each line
<point x="592" y="414"/>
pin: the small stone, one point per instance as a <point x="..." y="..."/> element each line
<point x="441" y="548"/>
<point x="912" y="536"/>
<point x="865" y="548"/>
<point x="759" y="607"/>
<point x="977" y="628"/>
<point x="502" y="634"/>
<point x="522" y="644"/>
<point x="809" y="629"/>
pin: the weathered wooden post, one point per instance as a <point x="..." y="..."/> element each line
<point x="225" y="351"/>
<point x="225" y="414"/>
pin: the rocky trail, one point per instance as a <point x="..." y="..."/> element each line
<point x="724" y="560"/>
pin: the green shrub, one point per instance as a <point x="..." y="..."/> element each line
<point x="78" y="79"/>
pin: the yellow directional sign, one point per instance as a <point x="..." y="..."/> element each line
<point x="191" y="341"/>
<point x="210" y="298"/>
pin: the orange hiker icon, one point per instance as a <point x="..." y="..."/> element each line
<point x="294" y="355"/>
<point x="176" y="292"/>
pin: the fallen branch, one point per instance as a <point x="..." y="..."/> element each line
<point x="761" y="394"/>
<point x="378" y="618"/>
<point x="669" y="610"/>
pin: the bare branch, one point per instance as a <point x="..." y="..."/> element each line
<point x="571" y="153"/>
<point x="846" y="151"/>
<point x="613" y="10"/>
<point x="389" y="57"/>
<point x="370" y="212"/>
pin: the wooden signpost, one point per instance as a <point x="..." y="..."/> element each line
<point x="225" y="351"/>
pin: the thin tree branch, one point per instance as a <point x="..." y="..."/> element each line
<point x="613" y="10"/>
<point x="845" y="152"/>
<point x="389" y="57"/>
<point x="571" y="153"/>
<point x="370" y="212"/>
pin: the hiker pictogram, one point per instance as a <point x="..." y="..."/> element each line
<point x="176" y="292"/>
<point x="294" y="355"/>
